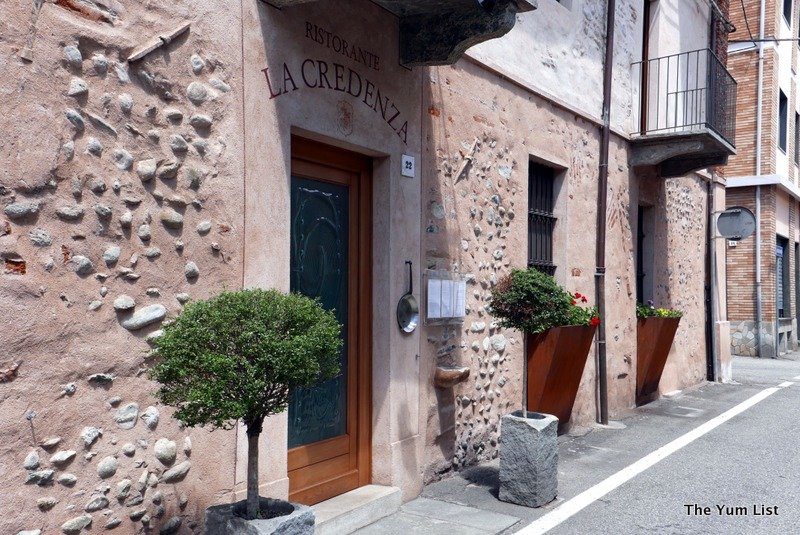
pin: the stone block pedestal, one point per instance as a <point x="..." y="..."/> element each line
<point x="528" y="458"/>
<point x="295" y="519"/>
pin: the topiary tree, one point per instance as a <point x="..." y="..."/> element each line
<point x="237" y="356"/>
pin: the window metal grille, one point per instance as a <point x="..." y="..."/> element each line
<point x="540" y="218"/>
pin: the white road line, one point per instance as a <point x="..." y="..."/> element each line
<point x="589" y="496"/>
<point x="785" y="384"/>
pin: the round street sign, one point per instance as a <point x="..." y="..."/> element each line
<point x="736" y="223"/>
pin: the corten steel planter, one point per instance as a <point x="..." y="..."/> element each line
<point x="556" y="359"/>
<point x="654" y="338"/>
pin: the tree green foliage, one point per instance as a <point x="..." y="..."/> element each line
<point x="533" y="302"/>
<point x="237" y="355"/>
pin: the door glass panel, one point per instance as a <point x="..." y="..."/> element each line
<point x="319" y="256"/>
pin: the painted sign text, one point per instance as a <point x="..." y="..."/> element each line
<point x="320" y="74"/>
<point x="341" y="46"/>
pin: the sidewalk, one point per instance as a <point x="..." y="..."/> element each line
<point x="467" y="502"/>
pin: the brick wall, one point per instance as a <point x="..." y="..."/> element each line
<point x="740" y="260"/>
<point x="772" y="14"/>
<point x="741" y="268"/>
<point x="769" y="114"/>
<point x="744" y="68"/>
<point x="721" y="38"/>
<point x="768" y="208"/>
<point x="737" y="17"/>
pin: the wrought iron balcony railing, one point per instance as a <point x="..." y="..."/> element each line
<point x="685" y="93"/>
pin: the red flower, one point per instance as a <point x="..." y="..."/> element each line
<point x="578" y="296"/>
<point x="573" y="302"/>
<point x="595" y="321"/>
<point x="584" y="300"/>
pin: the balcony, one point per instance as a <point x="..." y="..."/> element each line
<point x="437" y="32"/>
<point x="687" y="113"/>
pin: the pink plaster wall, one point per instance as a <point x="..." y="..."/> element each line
<point x="470" y="108"/>
<point x="51" y="324"/>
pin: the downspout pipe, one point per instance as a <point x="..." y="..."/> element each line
<point x="602" y="202"/>
<point x="711" y="374"/>
<point x="711" y="269"/>
<point x="759" y="101"/>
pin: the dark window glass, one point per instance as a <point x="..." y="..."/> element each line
<point x="644" y="254"/>
<point x="540" y="217"/>
<point x="782" y="278"/>
<point x="797" y="138"/>
<point x="783" y="117"/>
<point x="787" y="11"/>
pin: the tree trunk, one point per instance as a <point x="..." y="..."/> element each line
<point x="252" y="474"/>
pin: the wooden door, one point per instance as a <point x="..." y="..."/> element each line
<point x="329" y="424"/>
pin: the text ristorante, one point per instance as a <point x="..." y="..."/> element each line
<point x="339" y="45"/>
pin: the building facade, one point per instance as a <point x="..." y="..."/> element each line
<point x="762" y="277"/>
<point x="163" y="153"/>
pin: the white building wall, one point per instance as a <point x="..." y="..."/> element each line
<point x="558" y="51"/>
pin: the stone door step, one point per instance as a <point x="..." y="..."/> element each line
<point x="353" y="510"/>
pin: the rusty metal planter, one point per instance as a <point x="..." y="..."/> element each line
<point x="556" y="359"/>
<point x="654" y="338"/>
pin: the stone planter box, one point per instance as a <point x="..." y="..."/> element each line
<point x="556" y="359"/>
<point x="296" y="519"/>
<point x="528" y="458"/>
<point x="654" y="338"/>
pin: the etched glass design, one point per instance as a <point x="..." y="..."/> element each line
<point x="319" y="256"/>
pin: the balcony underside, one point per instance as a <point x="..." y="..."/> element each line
<point x="438" y="32"/>
<point x="679" y="153"/>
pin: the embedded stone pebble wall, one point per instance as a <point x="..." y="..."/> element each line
<point x="125" y="483"/>
<point x="744" y="342"/>
<point x="475" y="227"/>
<point x="121" y="203"/>
<point x="479" y="178"/>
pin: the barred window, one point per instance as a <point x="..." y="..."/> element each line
<point x="540" y="217"/>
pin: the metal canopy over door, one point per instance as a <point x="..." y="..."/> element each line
<point x="329" y="424"/>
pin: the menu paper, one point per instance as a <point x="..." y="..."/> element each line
<point x="461" y="293"/>
<point x="434" y="298"/>
<point x="446" y="299"/>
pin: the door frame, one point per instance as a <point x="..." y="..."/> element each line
<point x="307" y="154"/>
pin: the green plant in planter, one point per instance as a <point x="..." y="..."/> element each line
<point x="532" y="302"/>
<point x="238" y="355"/>
<point x="650" y="311"/>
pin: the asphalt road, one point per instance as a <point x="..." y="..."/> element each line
<point x="741" y="477"/>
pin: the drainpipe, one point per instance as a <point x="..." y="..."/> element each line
<point x="710" y="282"/>
<point x="602" y="201"/>
<point x="711" y="267"/>
<point x="759" y="98"/>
